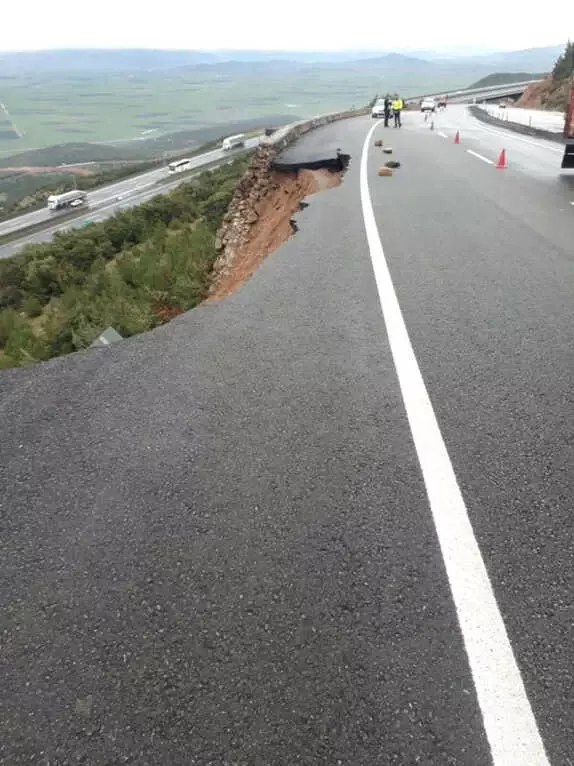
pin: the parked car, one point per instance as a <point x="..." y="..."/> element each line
<point x="428" y="105"/>
<point x="378" y="109"/>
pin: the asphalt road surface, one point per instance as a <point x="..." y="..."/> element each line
<point x="530" y="157"/>
<point x="284" y="530"/>
<point x="107" y="195"/>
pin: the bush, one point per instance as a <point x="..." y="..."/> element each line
<point x="22" y="345"/>
<point x="8" y="320"/>
<point x="32" y="306"/>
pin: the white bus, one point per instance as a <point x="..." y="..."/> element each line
<point x="233" y="142"/>
<point x="179" y="166"/>
<point x="67" y="199"/>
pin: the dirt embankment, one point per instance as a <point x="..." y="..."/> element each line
<point x="548" y="94"/>
<point x="259" y="218"/>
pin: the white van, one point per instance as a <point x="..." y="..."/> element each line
<point x="233" y="142"/>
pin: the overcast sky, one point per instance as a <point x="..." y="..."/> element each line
<point x="307" y="24"/>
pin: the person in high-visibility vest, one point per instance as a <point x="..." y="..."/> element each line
<point x="397" y="109"/>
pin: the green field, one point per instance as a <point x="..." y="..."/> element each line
<point x="124" y="107"/>
<point x="137" y="107"/>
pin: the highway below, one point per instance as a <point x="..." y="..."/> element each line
<point x="326" y="520"/>
<point x="105" y="198"/>
<point x="136" y="197"/>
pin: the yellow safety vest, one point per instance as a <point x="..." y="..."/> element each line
<point x="397" y="104"/>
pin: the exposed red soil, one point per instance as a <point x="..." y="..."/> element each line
<point x="272" y="227"/>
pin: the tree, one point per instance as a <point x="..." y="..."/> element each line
<point x="564" y="66"/>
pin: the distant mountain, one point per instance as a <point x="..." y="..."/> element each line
<point x="99" y="60"/>
<point x="390" y="62"/>
<point x="102" y="60"/>
<point x="529" y="60"/>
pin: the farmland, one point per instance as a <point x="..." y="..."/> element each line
<point x="114" y="108"/>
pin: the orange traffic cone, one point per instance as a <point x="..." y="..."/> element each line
<point x="457" y="137"/>
<point x="501" y="164"/>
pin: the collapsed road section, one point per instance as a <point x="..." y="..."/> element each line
<point x="300" y="157"/>
<point x="259" y="218"/>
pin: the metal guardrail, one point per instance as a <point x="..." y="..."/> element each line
<point x="495" y="90"/>
<point x="517" y="127"/>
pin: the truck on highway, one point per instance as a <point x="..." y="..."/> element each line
<point x="232" y="142"/>
<point x="568" y="159"/>
<point x="71" y="199"/>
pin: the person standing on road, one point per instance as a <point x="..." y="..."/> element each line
<point x="388" y="108"/>
<point x="397" y="109"/>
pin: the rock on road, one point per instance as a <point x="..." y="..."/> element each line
<point x="217" y="545"/>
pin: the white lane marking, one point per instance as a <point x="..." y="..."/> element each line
<point x="509" y="723"/>
<point x="480" y="157"/>
<point x="132" y="190"/>
<point x="442" y="135"/>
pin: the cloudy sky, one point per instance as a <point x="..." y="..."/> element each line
<point x="308" y="25"/>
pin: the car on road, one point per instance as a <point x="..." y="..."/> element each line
<point x="378" y="109"/>
<point x="428" y="105"/>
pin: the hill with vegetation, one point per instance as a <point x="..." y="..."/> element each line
<point x="505" y="78"/>
<point x="553" y="93"/>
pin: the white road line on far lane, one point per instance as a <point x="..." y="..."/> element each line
<point x="508" y="719"/>
<point x="441" y="134"/>
<point x="480" y="156"/>
<point x="511" y="135"/>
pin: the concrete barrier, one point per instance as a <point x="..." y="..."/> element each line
<point x="516" y="127"/>
<point x="286" y="135"/>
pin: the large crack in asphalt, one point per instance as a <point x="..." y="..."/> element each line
<point x="294" y="177"/>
